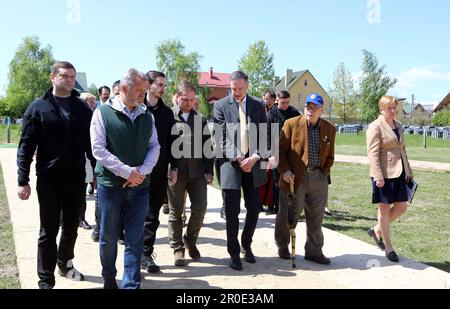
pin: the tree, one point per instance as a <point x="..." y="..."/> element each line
<point x="343" y="95"/>
<point x="28" y="75"/>
<point x="3" y="107"/>
<point x="374" y="84"/>
<point x="442" y="118"/>
<point x="258" y="64"/>
<point x="205" y="108"/>
<point x="93" y="90"/>
<point x="172" y="60"/>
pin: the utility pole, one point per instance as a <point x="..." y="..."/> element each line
<point x="344" y="108"/>
<point x="412" y="109"/>
<point x="8" y="129"/>
<point x="331" y="102"/>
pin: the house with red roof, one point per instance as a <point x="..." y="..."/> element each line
<point x="219" y="83"/>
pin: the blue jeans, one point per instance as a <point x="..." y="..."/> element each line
<point x="132" y="204"/>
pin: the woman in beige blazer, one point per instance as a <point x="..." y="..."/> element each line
<point x="389" y="170"/>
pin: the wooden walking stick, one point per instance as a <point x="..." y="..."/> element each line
<point x="183" y="216"/>
<point x="291" y="219"/>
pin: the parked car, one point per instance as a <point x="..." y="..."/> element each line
<point x="437" y="132"/>
<point x="428" y="129"/>
<point x="350" y="128"/>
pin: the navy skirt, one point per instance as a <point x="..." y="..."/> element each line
<point x="394" y="191"/>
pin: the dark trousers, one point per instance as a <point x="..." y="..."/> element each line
<point x="158" y="196"/>
<point x="276" y="186"/>
<point x="232" y="200"/>
<point x="83" y="204"/>
<point x="56" y="194"/>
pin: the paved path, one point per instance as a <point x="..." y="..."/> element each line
<point x="415" y="165"/>
<point x="355" y="264"/>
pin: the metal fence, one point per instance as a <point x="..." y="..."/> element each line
<point x="446" y="135"/>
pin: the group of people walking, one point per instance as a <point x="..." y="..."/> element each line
<point x="142" y="153"/>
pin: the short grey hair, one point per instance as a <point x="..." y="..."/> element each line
<point x="239" y="75"/>
<point x="129" y="79"/>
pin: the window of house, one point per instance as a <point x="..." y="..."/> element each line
<point x="306" y="83"/>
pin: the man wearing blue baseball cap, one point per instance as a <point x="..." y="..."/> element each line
<point x="306" y="156"/>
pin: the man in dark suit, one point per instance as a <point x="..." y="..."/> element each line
<point x="237" y="119"/>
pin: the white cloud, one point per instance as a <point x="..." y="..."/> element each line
<point x="408" y="79"/>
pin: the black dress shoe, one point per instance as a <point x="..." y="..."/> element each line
<point x="392" y="256"/>
<point x="319" y="259"/>
<point x="272" y="210"/>
<point x="248" y="255"/>
<point x="110" y="284"/>
<point x="378" y="242"/>
<point x="85" y="225"/>
<point x="235" y="263"/>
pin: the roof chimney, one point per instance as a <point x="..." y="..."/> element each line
<point x="288" y="77"/>
<point x="211" y="73"/>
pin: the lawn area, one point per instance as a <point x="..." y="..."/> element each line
<point x="438" y="150"/>
<point x="9" y="275"/>
<point x="422" y="234"/>
<point x="14" y="134"/>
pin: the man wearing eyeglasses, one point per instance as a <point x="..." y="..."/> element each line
<point x="306" y="153"/>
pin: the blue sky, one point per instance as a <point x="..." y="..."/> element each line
<point x="108" y="37"/>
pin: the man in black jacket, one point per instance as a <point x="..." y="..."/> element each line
<point x="58" y="126"/>
<point x="164" y="121"/>
<point x="277" y="115"/>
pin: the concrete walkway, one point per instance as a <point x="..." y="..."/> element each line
<point x="355" y="264"/>
<point x="415" y="165"/>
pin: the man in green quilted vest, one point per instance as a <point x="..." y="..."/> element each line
<point x="125" y="144"/>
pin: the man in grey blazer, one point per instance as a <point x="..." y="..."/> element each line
<point x="239" y="151"/>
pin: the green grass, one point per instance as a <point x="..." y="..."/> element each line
<point x="438" y="150"/>
<point x="9" y="275"/>
<point x="14" y="134"/>
<point x="422" y="234"/>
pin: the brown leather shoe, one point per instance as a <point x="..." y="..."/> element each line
<point x="284" y="253"/>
